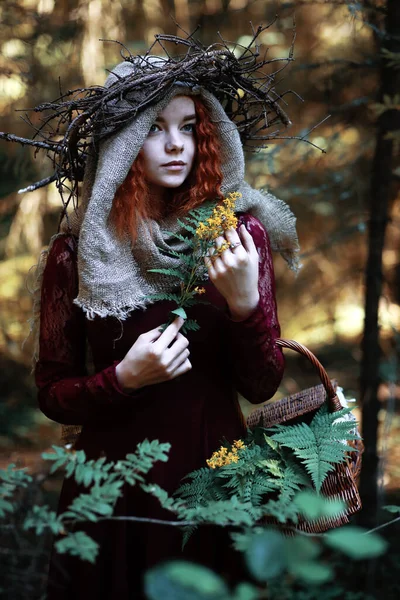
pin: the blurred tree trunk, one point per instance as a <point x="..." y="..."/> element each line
<point x="382" y="193"/>
<point x="101" y="20"/>
<point x="182" y="16"/>
<point x="92" y="51"/>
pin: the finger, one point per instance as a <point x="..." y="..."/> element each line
<point x="247" y="239"/>
<point x="183" y="368"/>
<point x="219" y="241"/>
<point x="169" y="334"/>
<point x="232" y="236"/>
<point x="208" y="260"/>
<point x="179" y="360"/>
<point x="152" y="335"/>
<point x="218" y="265"/>
<point x="176" y="348"/>
<point x="225" y="259"/>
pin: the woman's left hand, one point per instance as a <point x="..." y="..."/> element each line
<point x="235" y="272"/>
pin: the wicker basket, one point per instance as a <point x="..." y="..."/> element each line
<point x="341" y="483"/>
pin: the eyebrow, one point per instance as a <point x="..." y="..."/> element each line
<point x="187" y="118"/>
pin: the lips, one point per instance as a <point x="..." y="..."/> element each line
<point x="174" y="163"/>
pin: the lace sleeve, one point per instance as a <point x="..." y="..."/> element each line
<point x="257" y="362"/>
<point x="66" y="393"/>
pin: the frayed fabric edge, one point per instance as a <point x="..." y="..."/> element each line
<point x="120" y="313"/>
<point x="292" y="260"/>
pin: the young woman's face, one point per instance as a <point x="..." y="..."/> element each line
<point x="170" y="147"/>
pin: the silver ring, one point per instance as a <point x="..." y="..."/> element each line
<point x="234" y="245"/>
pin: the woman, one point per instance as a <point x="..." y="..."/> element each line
<point x="176" y="388"/>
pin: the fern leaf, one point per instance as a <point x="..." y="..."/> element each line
<point x="162" y="496"/>
<point x="317" y="445"/>
<point x="188" y="241"/>
<point x="41" y="518"/>
<point x="185" y="224"/>
<point x="187" y="534"/>
<point x="165" y="296"/>
<point x="98" y="503"/>
<point x="281" y="509"/>
<point x="172" y="272"/>
<point x="225" y="512"/>
<point x="190" y="325"/>
<point x="78" y="544"/>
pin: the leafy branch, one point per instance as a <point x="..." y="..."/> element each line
<point x="203" y="225"/>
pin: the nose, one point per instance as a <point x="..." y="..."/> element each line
<point x="174" y="143"/>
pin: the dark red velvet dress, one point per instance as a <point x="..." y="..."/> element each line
<point x="193" y="412"/>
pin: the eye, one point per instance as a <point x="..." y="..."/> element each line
<point x="189" y="127"/>
<point x="154" y="128"/>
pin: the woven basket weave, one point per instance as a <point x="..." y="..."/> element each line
<point x="340" y="483"/>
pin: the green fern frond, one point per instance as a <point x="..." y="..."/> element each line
<point x="317" y="445"/>
<point x="78" y="544"/>
<point x="262" y="486"/>
<point x="98" y="503"/>
<point x="185" y="224"/>
<point x="41" y="518"/>
<point x="166" y="501"/>
<point x="172" y="272"/>
<point x="274" y="466"/>
<point x="190" y="325"/>
<point x="189" y="241"/>
<point x="271" y="443"/>
<point x="282" y="509"/>
<point x="294" y="479"/>
<point x="225" y="512"/>
<point x="92" y="471"/>
<point x="165" y="296"/>
<point x="195" y="491"/>
<point x="10" y="480"/>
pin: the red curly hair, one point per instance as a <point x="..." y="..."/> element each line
<point x="132" y="201"/>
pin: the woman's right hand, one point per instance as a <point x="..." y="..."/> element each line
<point x="155" y="357"/>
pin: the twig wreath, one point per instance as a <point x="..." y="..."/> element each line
<point x="72" y="124"/>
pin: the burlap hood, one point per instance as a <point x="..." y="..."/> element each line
<point x="114" y="276"/>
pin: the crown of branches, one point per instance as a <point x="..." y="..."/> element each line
<point x="236" y="75"/>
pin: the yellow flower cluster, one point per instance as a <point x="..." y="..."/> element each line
<point x="222" y="218"/>
<point x="199" y="290"/>
<point x="223" y="456"/>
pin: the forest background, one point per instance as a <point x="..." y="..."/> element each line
<point x="344" y="304"/>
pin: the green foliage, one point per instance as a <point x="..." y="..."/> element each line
<point x="181" y="580"/>
<point x="176" y="506"/>
<point x="355" y="542"/>
<point x="192" y="270"/>
<point x="78" y="544"/>
<point x="266" y="477"/>
<point x="236" y="495"/>
<point x="106" y="480"/>
<point x="313" y="507"/>
<point x="10" y="480"/>
<point x="392" y="58"/>
<point x="224" y="512"/>
<point x="319" y="445"/>
<point x="265" y="555"/>
<point x="274" y="560"/>
<point x="392" y="508"/>
<point x="41" y="518"/>
<point x="99" y="502"/>
<point x="389" y="103"/>
<point x="302" y="563"/>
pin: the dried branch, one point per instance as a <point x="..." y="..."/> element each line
<point x="73" y="124"/>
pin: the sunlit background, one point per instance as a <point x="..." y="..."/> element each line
<point x="49" y="46"/>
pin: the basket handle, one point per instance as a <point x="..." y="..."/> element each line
<point x="333" y="400"/>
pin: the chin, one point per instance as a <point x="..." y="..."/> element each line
<point x="172" y="184"/>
